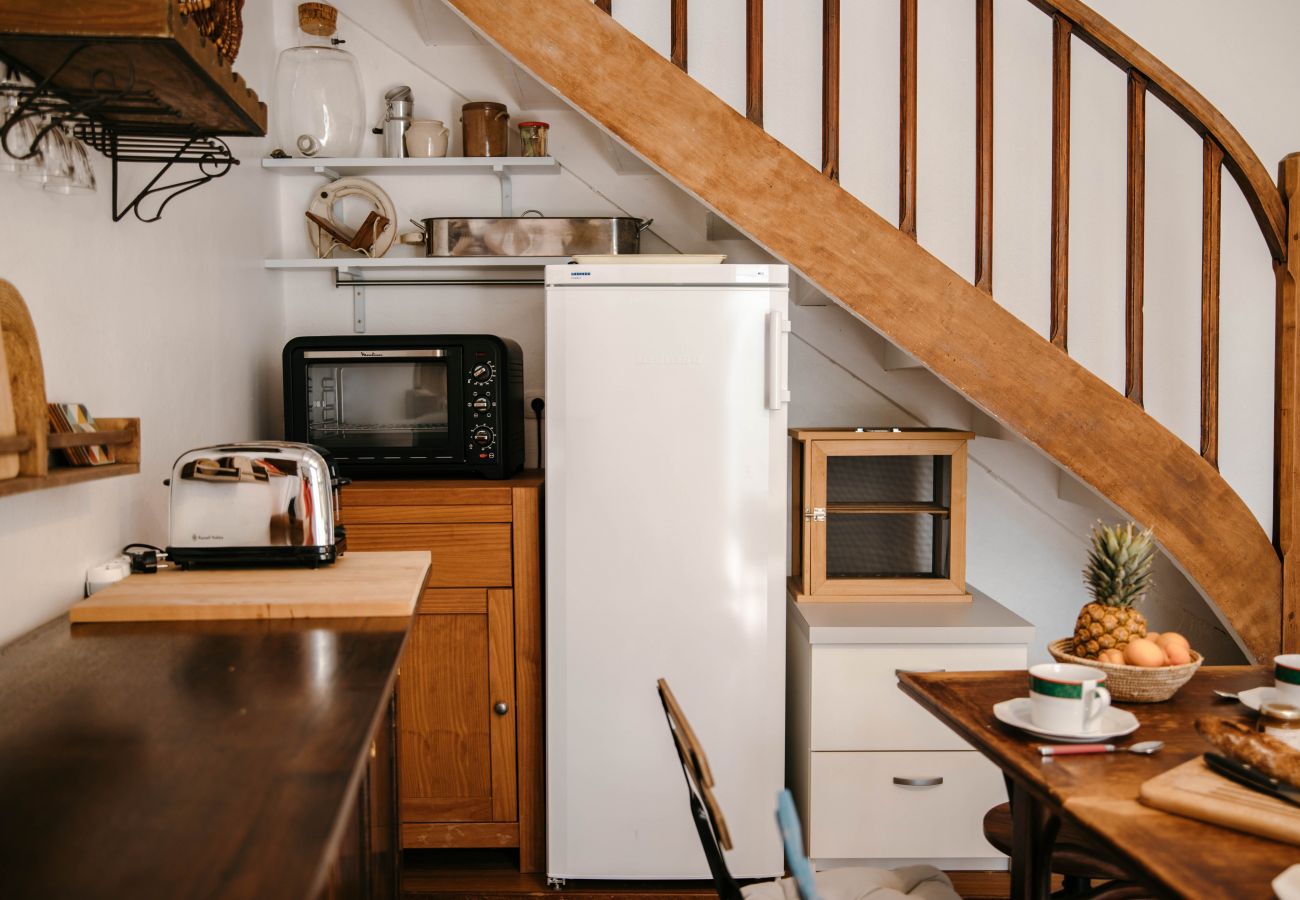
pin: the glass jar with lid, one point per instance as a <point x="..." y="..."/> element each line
<point x="319" y="104"/>
<point x="1282" y="721"/>
<point x="532" y="138"/>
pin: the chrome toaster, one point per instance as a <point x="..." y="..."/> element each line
<point x="269" y="503"/>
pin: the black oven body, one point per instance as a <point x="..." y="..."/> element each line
<point x="408" y="406"/>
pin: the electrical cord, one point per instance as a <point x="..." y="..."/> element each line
<point x="538" y="404"/>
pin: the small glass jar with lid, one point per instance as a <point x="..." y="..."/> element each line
<point x="1282" y="721"/>
<point x="532" y="138"/>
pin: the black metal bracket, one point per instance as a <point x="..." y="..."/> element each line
<point x="101" y="117"/>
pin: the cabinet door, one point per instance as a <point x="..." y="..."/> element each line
<point x="457" y="748"/>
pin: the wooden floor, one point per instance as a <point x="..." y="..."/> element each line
<point x="491" y="875"/>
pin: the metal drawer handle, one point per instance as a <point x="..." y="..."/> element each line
<point x="898" y="672"/>
<point x="919" y="782"/>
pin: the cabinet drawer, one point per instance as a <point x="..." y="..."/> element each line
<point x="858" y="812"/>
<point x="469" y="555"/>
<point x="856" y="703"/>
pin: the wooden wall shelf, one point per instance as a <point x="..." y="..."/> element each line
<point x="33" y="442"/>
<point x="178" y="81"/>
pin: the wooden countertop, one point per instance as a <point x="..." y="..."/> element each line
<point x="385" y="583"/>
<point x="185" y="759"/>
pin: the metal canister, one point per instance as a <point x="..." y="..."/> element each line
<point x="1282" y="721"/>
<point x="484" y="125"/>
<point x="532" y="138"/>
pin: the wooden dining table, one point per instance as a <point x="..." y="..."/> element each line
<point x="1171" y="855"/>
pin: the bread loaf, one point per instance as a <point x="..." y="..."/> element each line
<point x="1240" y="742"/>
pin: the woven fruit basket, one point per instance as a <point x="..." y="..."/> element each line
<point x="1132" y="684"/>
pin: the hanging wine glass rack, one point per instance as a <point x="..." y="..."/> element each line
<point x="137" y="102"/>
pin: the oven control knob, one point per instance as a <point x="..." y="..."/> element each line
<point x="481" y="404"/>
<point x="482" y="373"/>
<point x="482" y="436"/>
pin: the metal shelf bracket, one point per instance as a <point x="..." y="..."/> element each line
<point x="507" y="190"/>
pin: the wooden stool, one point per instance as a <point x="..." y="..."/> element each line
<point x="1074" y="857"/>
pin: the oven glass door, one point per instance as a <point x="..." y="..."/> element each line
<point x="385" y="404"/>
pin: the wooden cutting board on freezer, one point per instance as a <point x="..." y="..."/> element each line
<point x="1194" y="791"/>
<point x="358" y="585"/>
<point x="8" y="425"/>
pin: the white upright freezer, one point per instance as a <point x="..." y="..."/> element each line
<point x="666" y="397"/>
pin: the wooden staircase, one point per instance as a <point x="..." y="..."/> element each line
<point x="955" y="328"/>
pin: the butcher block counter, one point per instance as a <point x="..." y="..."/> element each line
<point x="212" y="759"/>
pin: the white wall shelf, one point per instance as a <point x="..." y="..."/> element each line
<point x="420" y="262"/>
<point x="359" y="273"/>
<point x="503" y="167"/>
<point x="446" y="165"/>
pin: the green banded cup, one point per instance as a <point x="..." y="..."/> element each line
<point x="1068" y="699"/>
<point x="1286" y="677"/>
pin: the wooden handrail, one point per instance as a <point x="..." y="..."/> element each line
<point x="831" y="89"/>
<point x="1250" y="174"/>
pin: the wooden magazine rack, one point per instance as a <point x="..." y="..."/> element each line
<point x="33" y="442"/>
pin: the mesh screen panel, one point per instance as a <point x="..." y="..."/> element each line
<point x="868" y="479"/>
<point x="882" y="546"/>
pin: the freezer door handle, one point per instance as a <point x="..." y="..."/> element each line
<point x="778" y="359"/>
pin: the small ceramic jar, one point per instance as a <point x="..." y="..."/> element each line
<point x="426" y="138"/>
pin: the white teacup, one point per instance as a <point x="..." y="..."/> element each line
<point x="426" y="139"/>
<point x="1067" y="699"/>
<point x="1286" y="677"/>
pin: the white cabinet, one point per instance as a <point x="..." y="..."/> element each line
<point x="877" y="778"/>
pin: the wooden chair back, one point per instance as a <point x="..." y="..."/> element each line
<point x="709" y="821"/>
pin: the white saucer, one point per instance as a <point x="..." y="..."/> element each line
<point x="1257" y="697"/>
<point x="1114" y="723"/>
<point x="1287" y="885"/>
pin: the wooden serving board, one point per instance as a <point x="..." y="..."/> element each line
<point x="1194" y="791"/>
<point x="8" y="424"/>
<point x="358" y="585"/>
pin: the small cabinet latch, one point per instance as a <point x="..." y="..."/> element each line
<point x="818" y="514"/>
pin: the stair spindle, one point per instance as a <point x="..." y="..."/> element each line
<point x="1212" y="184"/>
<point x="831" y="89"/>
<point x="678" y="27"/>
<point x="1058" y="331"/>
<point x="984" y="145"/>
<point x="907" y="119"/>
<point x="1135" y="232"/>
<point x="754" y="61"/>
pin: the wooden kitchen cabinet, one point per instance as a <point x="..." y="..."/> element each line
<point x="470" y="688"/>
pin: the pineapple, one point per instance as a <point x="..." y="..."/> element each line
<point x="1118" y="574"/>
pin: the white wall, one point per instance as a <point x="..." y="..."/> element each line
<point x="188" y="303"/>
<point x="173" y="322"/>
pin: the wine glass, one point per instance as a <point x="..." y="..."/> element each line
<point x="68" y="169"/>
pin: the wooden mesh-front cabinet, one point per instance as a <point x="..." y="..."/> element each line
<point x="470" y="764"/>
<point x="878" y="515"/>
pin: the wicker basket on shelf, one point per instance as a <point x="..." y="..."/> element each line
<point x="1132" y="684"/>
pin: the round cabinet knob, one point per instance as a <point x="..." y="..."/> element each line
<point x="501" y="708"/>
<point x="482" y="373"/>
<point x="481" y="404"/>
<point x="482" y="436"/>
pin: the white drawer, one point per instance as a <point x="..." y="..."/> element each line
<point x="858" y="812"/>
<point x="857" y="705"/>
